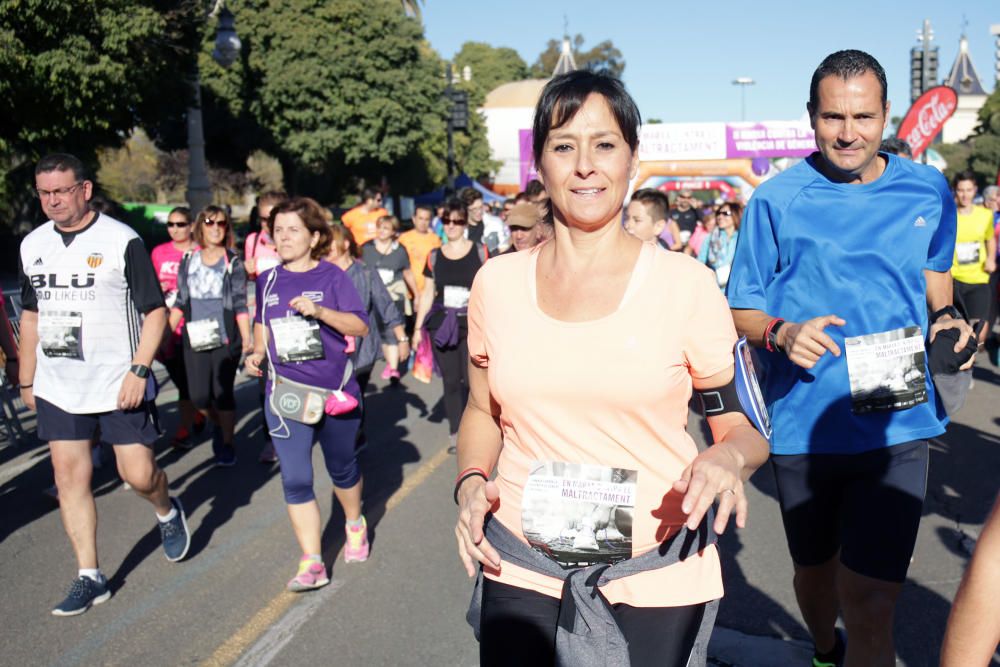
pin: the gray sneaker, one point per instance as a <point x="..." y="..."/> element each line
<point x="83" y="593"/>
<point x="175" y="534"/>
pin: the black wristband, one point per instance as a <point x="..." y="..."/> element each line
<point x="947" y="310"/>
<point x="458" y="484"/>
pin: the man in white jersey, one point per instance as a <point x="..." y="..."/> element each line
<point x="93" y="319"/>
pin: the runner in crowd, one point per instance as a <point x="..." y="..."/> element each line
<point x="685" y="215"/>
<point x="839" y="261"/>
<point x="308" y="307"/>
<point x="524" y="223"/>
<point x="93" y="317"/>
<point x="646" y="219"/>
<point x="598" y="400"/>
<point x="704" y="227"/>
<point x="975" y="252"/>
<point x="419" y="242"/>
<point x="391" y="262"/>
<point x="212" y="301"/>
<point x="483" y="227"/>
<point x="718" y="249"/>
<point x="448" y="278"/>
<point x="508" y="204"/>
<point x="166" y="261"/>
<point x="991" y="200"/>
<point x="896" y="146"/>
<point x="377" y="303"/>
<point x="362" y="219"/>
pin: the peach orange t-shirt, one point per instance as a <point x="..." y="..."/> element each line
<point x="362" y="224"/>
<point x="609" y="394"/>
<point x="418" y="247"/>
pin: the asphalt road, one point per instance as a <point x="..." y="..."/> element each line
<point x="226" y="604"/>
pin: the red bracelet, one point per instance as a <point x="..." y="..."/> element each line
<point x="767" y="334"/>
<point x="471" y="469"/>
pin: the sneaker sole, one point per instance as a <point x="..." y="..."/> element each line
<point x="355" y="559"/>
<point x="187" y="545"/>
<point x="302" y="588"/>
<point x="225" y="464"/>
<point x="98" y="600"/>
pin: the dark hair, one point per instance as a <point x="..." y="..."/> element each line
<point x="533" y="188"/>
<point x="896" y="146"/>
<point x="966" y="175"/>
<point x="454" y="205"/>
<point x="63" y="162"/>
<point x="339" y="234"/>
<point x="655" y="202"/>
<point x="199" y="229"/>
<point x="368" y="193"/>
<point x="520" y="197"/>
<point x="469" y="195"/>
<point x="565" y="94"/>
<point x="181" y="210"/>
<point x="845" y="64"/>
<point x="311" y="215"/>
<point x="107" y="206"/>
<point x="735" y="208"/>
<point x="424" y="207"/>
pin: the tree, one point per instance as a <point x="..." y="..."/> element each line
<point x="604" y="58"/>
<point x="490" y="67"/>
<point x="79" y="76"/>
<point x="979" y="152"/>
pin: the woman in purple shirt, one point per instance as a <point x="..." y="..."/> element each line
<point x="306" y="310"/>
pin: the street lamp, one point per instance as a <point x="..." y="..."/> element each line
<point x="743" y="82"/>
<point x="227" y="50"/>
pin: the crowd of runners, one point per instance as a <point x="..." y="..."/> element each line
<point x="817" y="322"/>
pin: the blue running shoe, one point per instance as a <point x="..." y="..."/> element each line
<point x="83" y="593"/>
<point x="175" y="534"/>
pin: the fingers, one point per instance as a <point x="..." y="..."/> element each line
<point x="697" y="500"/>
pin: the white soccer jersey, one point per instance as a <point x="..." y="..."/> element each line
<point x="90" y="289"/>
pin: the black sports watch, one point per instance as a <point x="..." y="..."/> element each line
<point x="947" y="310"/>
<point x="772" y="336"/>
<point x="139" y="370"/>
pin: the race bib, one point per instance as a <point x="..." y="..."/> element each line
<point x="579" y="514"/>
<point x="967" y="253"/>
<point x="60" y="334"/>
<point x="887" y="370"/>
<point x="455" y="296"/>
<point x="296" y="338"/>
<point x="722" y="274"/>
<point x="386" y="275"/>
<point x="204" y="335"/>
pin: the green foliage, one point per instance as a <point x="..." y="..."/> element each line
<point x="981" y="151"/>
<point x="491" y="66"/>
<point x="604" y="58"/>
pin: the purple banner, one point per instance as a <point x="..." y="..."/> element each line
<point x="772" y="139"/>
<point x="528" y="171"/>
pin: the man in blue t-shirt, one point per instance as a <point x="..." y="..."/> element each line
<point x="838" y="262"/>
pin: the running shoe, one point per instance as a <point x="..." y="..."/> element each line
<point x="356" y="549"/>
<point x="225" y="457"/>
<point x="835" y="656"/>
<point x="311" y="575"/>
<point x="387" y="372"/>
<point x="83" y="593"/>
<point x="268" y="455"/>
<point x="182" y="439"/>
<point x="175" y="534"/>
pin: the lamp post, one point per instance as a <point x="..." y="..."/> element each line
<point x="743" y="82"/>
<point x="227" y="50"/>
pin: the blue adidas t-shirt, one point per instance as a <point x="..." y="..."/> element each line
<point x="810" y="247"/>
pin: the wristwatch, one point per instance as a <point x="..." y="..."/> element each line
<point x="139" y="370"/>
<point x="947" y="310"/>
<point x="402" y="339"/>
<point x="772" y="336"/>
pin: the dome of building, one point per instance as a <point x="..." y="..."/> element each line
<point x="516" y="94"/>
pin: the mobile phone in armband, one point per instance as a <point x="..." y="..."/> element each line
<point x="741" y="394"/>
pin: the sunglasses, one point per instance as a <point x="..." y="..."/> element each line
<point x="727" y="214"/>
<point x="454" y="221"/>
<point x="213" y="223"/>
<point x="178" y="224"/>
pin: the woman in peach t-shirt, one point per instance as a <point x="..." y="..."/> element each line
<point x="584" y="354"/>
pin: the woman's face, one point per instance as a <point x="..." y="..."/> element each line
<point x="384" y="231"/>
<point x="214" y="230"/>
<point x="454" y="225"/>
<point x="178" y="228"/>
<point x="337" y="250"/>
<point x="292" y="238"/>
<point x="724" y="218"/>
<point x="586" y="167"/>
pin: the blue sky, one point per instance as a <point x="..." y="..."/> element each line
<point x="681" y="57"/>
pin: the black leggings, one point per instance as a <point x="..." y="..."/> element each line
<point x="518" y="627"/>
<point x="178" y="374"/>
<point x="454" y="365"/>
<point x="211" y="376"/>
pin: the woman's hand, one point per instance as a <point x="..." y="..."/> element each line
<point x="715" y="472"/>
<point x="418" y="335"/>
<point x="476" y="497"/>
<point x="305" y="306"/>
<point x="252" y="364"/>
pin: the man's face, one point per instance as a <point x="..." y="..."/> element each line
<point x="507" y="205"/>
<point x="684" y="200"/>
<point x="965" y="192"/>
<point x="849" y="120"/>
<point x="374" y="203"/>
<point x="639" y="223"/>
<point x="63" y="198"/>
<point x="992" y="202"/>
<point x="523" y="238"/>
<point x="475" y="211"/>
<point x="421" y="220"/>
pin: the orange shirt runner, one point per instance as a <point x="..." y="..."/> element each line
<point x="362" y="223"/>
<point x="418" y="246"/>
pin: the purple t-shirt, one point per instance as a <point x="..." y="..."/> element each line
<point x="331" y="288"/>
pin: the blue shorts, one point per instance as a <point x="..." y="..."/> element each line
<point x="867" y="506"/>
<point x="119" y="427"/>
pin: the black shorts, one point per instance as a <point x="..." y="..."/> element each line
<point x="866" y="506"/>
<point x="118" y="427"/>
<point x="211" y="376"/>
<point x="974" y="299"/>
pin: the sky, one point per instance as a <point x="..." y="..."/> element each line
<point x="681" y="58"/>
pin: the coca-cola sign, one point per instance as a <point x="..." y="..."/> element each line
<point x="926" y="117"/>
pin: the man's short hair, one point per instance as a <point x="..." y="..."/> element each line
<point x="520" y="197"/>
<point x="470" y="195"/>
<point x="424" y="207"/>
<point x="896" y="146"/>
<point x="655" y="202"/>
<point x="368" y="193"/>
<point x="965" y="175"/>
<point x="533" y="188"/>
<point x="62" y="162"/>
<point x="846" y="64"/>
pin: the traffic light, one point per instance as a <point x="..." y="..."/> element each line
<point x="459" y="109"/>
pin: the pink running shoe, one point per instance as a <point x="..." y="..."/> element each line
<point x="356" y="549"/>
<point x="388" y="372"/>
<point x="312" y="575"/>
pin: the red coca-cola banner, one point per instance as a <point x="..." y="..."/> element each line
<point x="926" y="117"/>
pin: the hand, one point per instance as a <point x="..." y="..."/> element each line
<point x="805" y="343"/>
<point x="251" y="266"/>
<point x="418" y="335"/>
<point x="964" y="333"/>
<point x="252" y="364"/>
<point x="991" y="265"/>
<point x="132" y="393"/>
<point x="247" y="346"/>
<point x="28" y="396"/>
<point x="715" y="471"/>
<point x="404" y="352"/>
<point x="305" y="306"/>
<point x="476" y="497"/>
